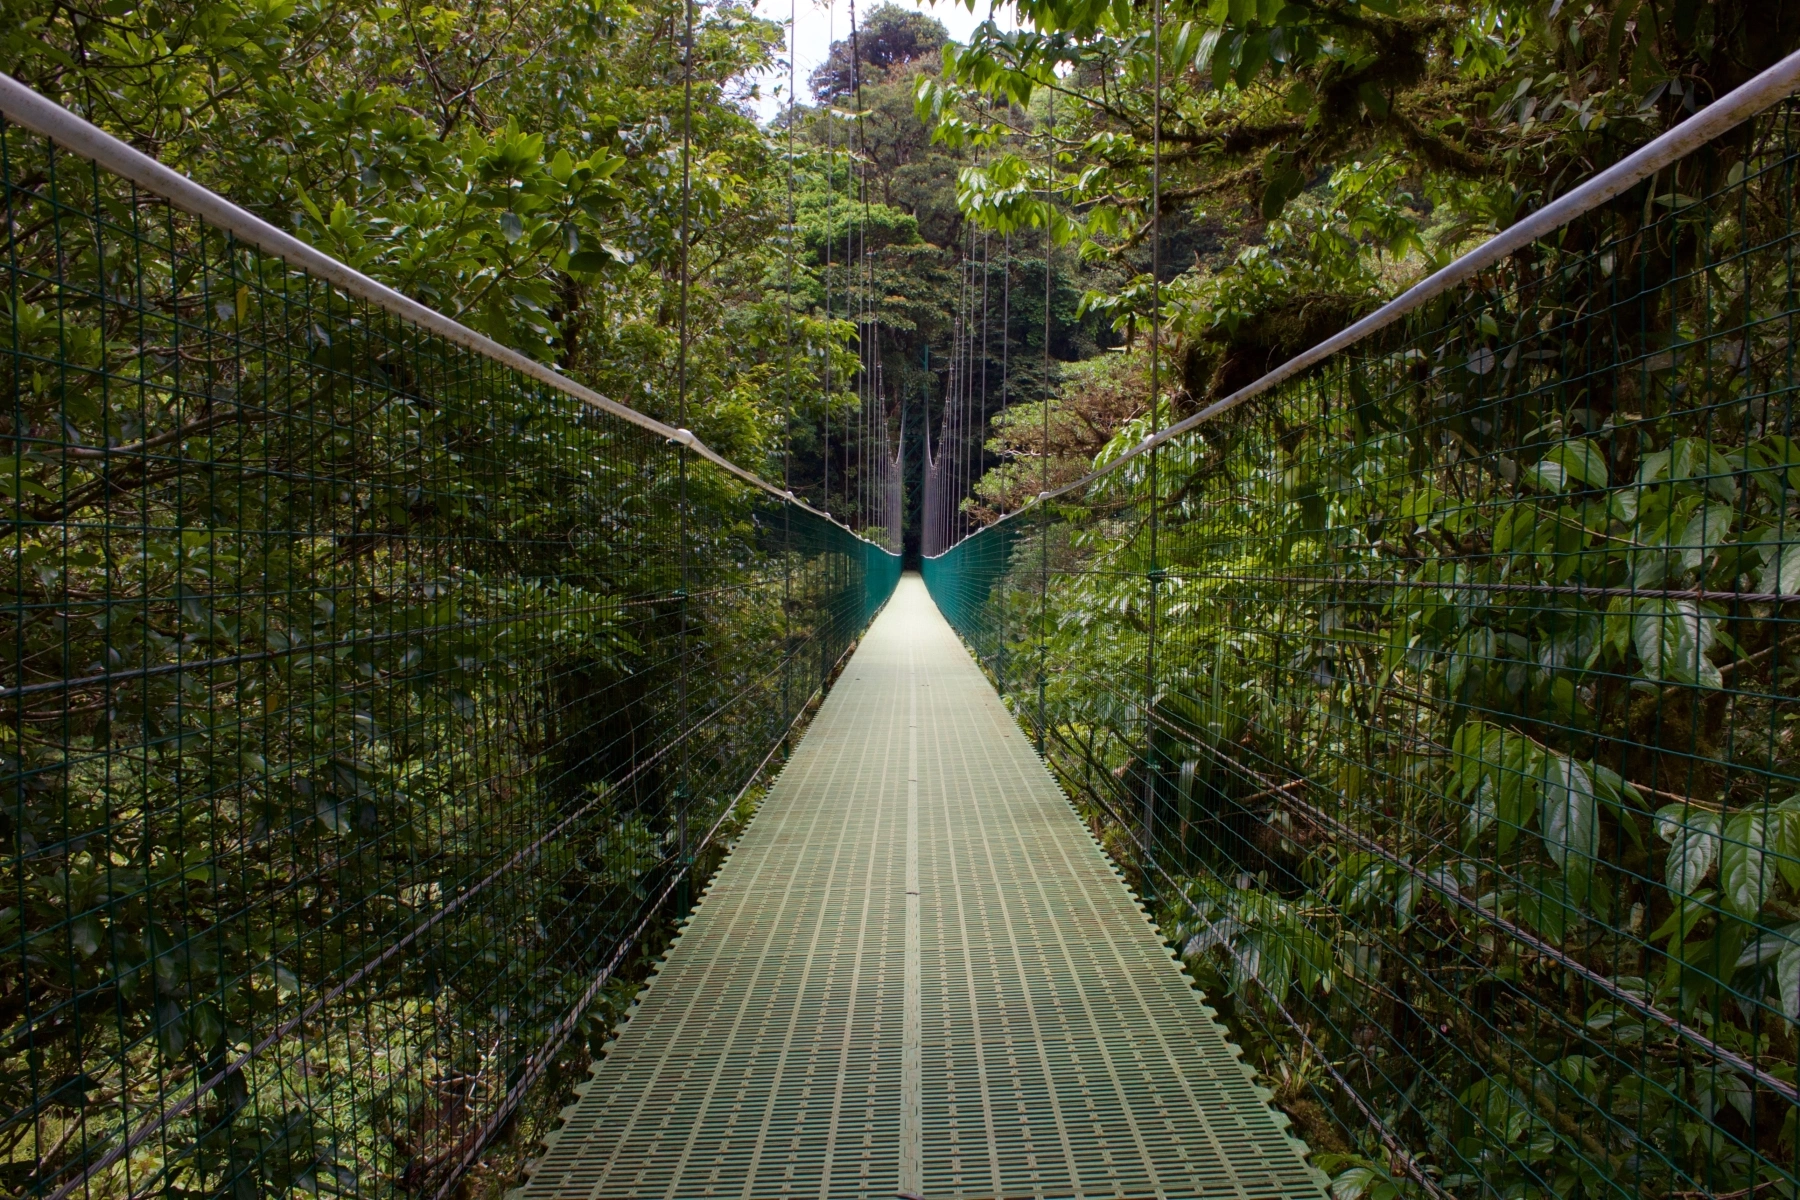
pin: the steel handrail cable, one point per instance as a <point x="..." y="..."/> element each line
<point x="1454" y="895"/>
<point x="23" y="107"/>
<point x="1396" y="1149"/>
<point x="107" y="678"/>
<point x="161" y="1119"/>
<point x="1722" y="115"/>
<point x="539" y="1061"/>
<point x="27" y="109"/>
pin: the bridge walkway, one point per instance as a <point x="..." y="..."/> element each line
<point x="918" y="974"/>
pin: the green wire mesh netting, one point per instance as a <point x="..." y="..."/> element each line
<point x="1444" y="704"/>
<point x="366" y="703"/>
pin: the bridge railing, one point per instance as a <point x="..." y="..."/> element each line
<point x="372" y="695"/>
<point x="1440" y="690"/>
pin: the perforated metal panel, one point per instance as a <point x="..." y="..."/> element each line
<point x="917" y="973"/>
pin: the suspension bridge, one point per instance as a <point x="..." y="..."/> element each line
<point x="378" y="694"/>
<point x="918" y="974"/>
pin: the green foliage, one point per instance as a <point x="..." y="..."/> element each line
<point x="1314" y="157"/>
<point x="517" y="166"/>
<point x="369" y="704"/>
<point x="1443" y="711"/>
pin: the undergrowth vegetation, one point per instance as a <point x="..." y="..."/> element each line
<point x="1440" y="701"/>
<point x="371" y="708"/>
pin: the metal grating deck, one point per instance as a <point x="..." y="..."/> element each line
<point x="917" y="973"/>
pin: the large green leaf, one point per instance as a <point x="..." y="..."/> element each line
<point x="1706" y="531"/>
<point x="1672" y="639"/>
<point x="1779" y="456"/>
<point x="1473" y="652"/>
<point x="1694" y="462"/>
<point x="1784" y="839"/>
<point x="1787" y="975"/>
<point x="1693" y="837"/>
<point x="1617" y="794"/>
<point x="1483" y="810"/>
<point x="1781" y="571"/>
<point x="1517" y="781"/>
<point x="1582" y="461"/>
<point x="1546" y="901"/>
<point x="1515" y="529"/>
<point x="1547" y="476"/>
<point x="1499" y="771"/>
<point x="1476" y="750"/>
<point x="1313" y="957"/>
<point x="1568" y="816"/>
<point x="1745" y="872"/>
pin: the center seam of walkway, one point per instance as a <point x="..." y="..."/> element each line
<point x="912" y="1180"/>
<point x="918" y="974"/>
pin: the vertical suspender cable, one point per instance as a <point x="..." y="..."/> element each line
<point x="830" y="214"/>
<point x="872" y="352"/>
<point x="850" y="313"/>
<point x="961" y="467"/>
<point x="928" y="470"/>
<point x="966" y="399"/>
<point x="681" y="422"/>
<point x="787" y="424"/>
<point x="1044" y="447"/>
<point x="952" y="412"/>
<point x="935" y="461"/>
<point x="941" y="467"/>
<point x="987" y="271"/>
<point x="866" y="330"/>
<point x="953" y="494"/>
<point x="958" y="490"/>
<point x="971" y="405"/>
<point x="952" y="406"/>
<point x="862" y="247"/>
<point x="945" y="439"/>
<point x="1006" y="264"/>
<point x="1151" y="766"/>
<point x="872" y="360"/>
<point x="849" y="309"/>
<point x="1005" y="383"/>
<point x="965" y="324"/>
<point x="849" y="275"/>
<point x="862" y="344"/>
